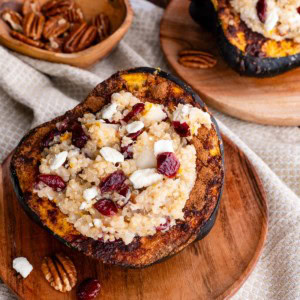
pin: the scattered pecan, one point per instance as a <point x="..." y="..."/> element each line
<point x="31" y="6"/>
<point x="55" y="44"/>
<point x="57" y="7"/>
<point x="196" y="59"/>
<point x="55" y="26"/>
<point x="80" y="38"/>
<point x="102" y="23"/>
<point x="14" y="19"/>
<point x="33" y="25"/>
<point x="74" y="15"/>
<point x="60" y="272"/>
<point x="23" y="38"/>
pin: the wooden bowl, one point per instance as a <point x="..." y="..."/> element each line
<point x="118" y="11"/>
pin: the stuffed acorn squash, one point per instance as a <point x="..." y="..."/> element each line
<point x="130" y="176"/>
<point x="259" y="38"/>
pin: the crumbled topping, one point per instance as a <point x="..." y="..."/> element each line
<point x="193" y="116"/>
<point x="59" y="160"/>
<point x="132" y="176"/>
<point x="111" y="155"/>
<point x="22" y="266"/>
<point x="153" y="113"/>
<point x="163" y="146"/>
<point x="145" y="177"/>
<point x="282" y="18"/>
<point x="109" y="110"/>
<point x="90" y="193"/>
<point x="134" y="126"/>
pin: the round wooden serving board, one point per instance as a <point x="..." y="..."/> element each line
<point x="213" y="268"/>
<point x="274" y="101"/>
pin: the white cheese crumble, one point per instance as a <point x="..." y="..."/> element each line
<point x="109" y="110"/>
<point x="193" y="116"/>
<point x="144" y="178"/>
<point x="272" y="19"/>
<point x="83" y="205"/>
<point x="111" y="155"/>
<point x="59" y="160"/>
<point x="90" y="193"/>
<point x="163" y="146"/>
<point x="97" y="223"/>
<point x="22" y="266"/>
<point x="155" y="113"/>
<point x="134" y="126"/>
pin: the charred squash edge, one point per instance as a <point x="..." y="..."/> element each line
<point x="204" y="13"/>
<point x="203" y="230"/>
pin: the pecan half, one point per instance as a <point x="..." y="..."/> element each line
<point x="102" y="23"/>
<point x="60" y="272"/>
<point x="31" y="6"/>
<point x="57" y="7"/>
<point x="196" y="59"/>
<point x="23" y="38"/>
<point x="55" y="26"/>
<point x="74" y="15"/>
<point x="14" y="19"/>
<point x="80" y="38"/>
<point x="33" y="25"/>
<point x="55" y="44"/>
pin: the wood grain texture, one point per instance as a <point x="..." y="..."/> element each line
<point x="119" y="12"/>
<point x="273" y="101"/>
<point x="213" y="268"/>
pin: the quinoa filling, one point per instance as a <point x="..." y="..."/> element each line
<point x="125" y="171"/>
<point x="274" y="19"/>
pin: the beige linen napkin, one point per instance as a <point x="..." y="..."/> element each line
<point x="33" y="91"/>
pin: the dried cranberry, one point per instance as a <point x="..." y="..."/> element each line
<point x="88" y="289"/>
<point x="79" y="138"/>
<point x="110" y="122"/>
<point x="63" y="125"/>
<point x="54" y="181"/>
<point x="166" y="118"/>
<point x="261" y="8"/>
<point x="298" y="10"/>
<point x="134" y="135"/>
<point x="49" y="137"/>
<point x="106" y="207"/>
<point x="182" y="129"/>
<point x="136" y="109"/>
<point x="125" y="192"/>
<point x="167" y="164"/>
<point x="112" y="182"/>
<point x="164" y="226"/>
<point x="127" y="151"/>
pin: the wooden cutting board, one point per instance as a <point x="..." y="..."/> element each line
<point x="213" y="268"/>
<point x="274" y="101"/>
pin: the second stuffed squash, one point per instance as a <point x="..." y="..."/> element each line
<point x="259" y="38"/>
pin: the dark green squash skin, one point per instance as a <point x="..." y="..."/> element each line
<point x="201" y="232"/>
<point x="203" y="12"/>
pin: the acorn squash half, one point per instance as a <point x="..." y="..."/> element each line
<point x="147" y="84"/>
<point x="247" y="52"/>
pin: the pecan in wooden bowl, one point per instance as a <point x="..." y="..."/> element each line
<point x="74" y="32"/>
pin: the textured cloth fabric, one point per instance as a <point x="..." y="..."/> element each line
<point x="33" y="91"/>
